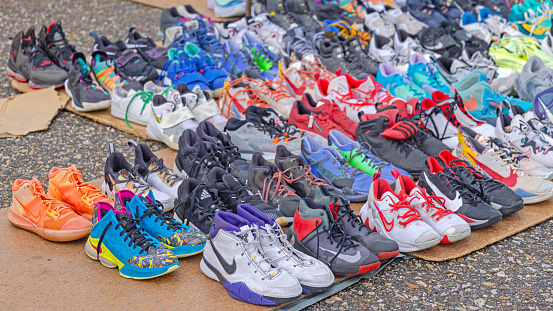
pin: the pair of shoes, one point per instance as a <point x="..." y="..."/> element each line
<point x="266" y="269"/>
<point x="63" y="214"/>
<point x="148" y="174"/>
<point x="238" y="59"/>
<point x="29" y="62"/>
<point x="532" y="18"/>
<point x="83" y="87"/>
<point x="404" y="21"/>
<point x="514" y="52"/>
<point x="328" y="229"/>
<point x="409" y="215"/>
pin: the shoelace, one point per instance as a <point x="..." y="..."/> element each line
<point x="274" y="89"/>
<point x="469" y="194"/>
<point x="132" y="231"/>
<point x="433" y="202"/>
<point x="210" y="160"/>
<point x="406" y="81"/>
<point x="343" y="166"/>
<point x="252" y="246"/>
<point x="409" y="216"/>
<point x="242" y="195"/>
<point x="53" y="207"/>
<point x="306" y="175"/>
<point x="368" y="157"/>
<point x="63" y="48"/>
<point x="140" y="187"/>
<point x="485" y="185"/>
<point x="301" y="46"/>
<point x="278" y="237"/>
<point x="165" y="174"/>
<point x="277" y="182"/>
<point x="514" y="155"/>
<point x="348" y="215"/>
<point x="214" y="207"/>
<point x="449" y="114"/>
<point x="282" y="128"/>
<point x="336" y="235"/>
<point x="146" y="98"/>
<point x="156" y="210"/>
<point x="85" y="188"/>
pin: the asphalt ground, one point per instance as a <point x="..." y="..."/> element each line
<point x="514" y="274"/>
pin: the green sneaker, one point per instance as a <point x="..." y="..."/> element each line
<point x="263" y="57"/>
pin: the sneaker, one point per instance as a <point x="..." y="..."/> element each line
<point x="210" y="70"/>
<point x="67" y="185"/>
<point x="137" y="66"/>
<point x="44" y="215"/>
<point x="459" y="196"/>
<point x="234" y="192"/>
<point x="302" y="12"/>
<point x="154" y="172"/>
<point x="327" y="241"/>
<point x="541" y="125"/>
<point x="197" y="205"/>
<point x="534" y="78"/>
<point x="297" y="44"/>
<point x="381" y="50"/>
<point x="437" y="40"/>
<point x="331" y="52"/>
<point x="337" y="115"/>
<point x="271" y="33"/>
<point x="118" y="241"/>
<point x="495" y="163"/>
<point x="133" y="106"/>
<point x="181" y="69"/>
<point x="210" y="45"/>
<point x="253" y="277"/>
<point x="27" y="62"/>
<point x="120" y="175"/>
<point x="196" y="157"/>
<point x="315" y="121"/>
<point x="392" y="216"/>
<point x="262" y="56"/>
<point x="202" y="106"/>
<point x="169" y="17"/>
<point x="278" y="12"/>
<point x="426" y="12"/>
<point x="272" y="92"/>
<point x="531" y="21"/>
<point x="358" y="62"/>
<point x="404" y="21"/>
<point x="475" y="28"/>
<point x="83" y="88"/>
<point x="182" y="240"/>
<point x="265" y="179"/>
<point x="426" y="75"/>
<point x="296" y="76"/>
<point x="107" y="75"/>
<point x="327" y="164"/>
<point x="398" y="84"/>
<point x="52" y="40"/>
<point x="226" y="9"/>
<point x="379" y="25"/>
<point x="448" y="9"/>
<point x="353" y="226"/>
<point x="496" y="24"/>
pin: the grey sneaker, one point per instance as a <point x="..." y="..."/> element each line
<point x="297" y="43"/>
<point x="534" y="78"/>
<point x="265" y="179"/>
<point x="278" y="13"/>
<point x="317" y="233"/>
<point x="357" y="55"/>
<point x="83" y="88"/>
<point x="501" y="79"/>
<point x="331" y="52"/>
<point x="302" y="13"/>
<point x="27" y="62"/>
<point x="379" y="245"/>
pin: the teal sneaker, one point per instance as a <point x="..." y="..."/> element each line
<point x="426" y="76"/>
<point x="397" y="83"/>
<point x="532" y="18"/>
<point x="182" y="240"/>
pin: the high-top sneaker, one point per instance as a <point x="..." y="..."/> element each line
<point x="53" y="41"/>
<point x="195" y="157"/>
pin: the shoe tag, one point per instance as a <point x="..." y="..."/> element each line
<point x="310" y="124"/>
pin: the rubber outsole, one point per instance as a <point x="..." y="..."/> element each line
<point x="47" y="234"/>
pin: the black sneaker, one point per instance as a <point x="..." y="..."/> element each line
<point x="271" y="119"/>
<point x="197" y="204"/>
<point x="195" y="157"/>
<point x="278" y="13"/>
<point x="397" y="150"/>
<point x="228" y="153"/>
<point x="147" y="48"/>
<point x="136" y="66"/>
<point x="353" y="226"/>
<point x="425" y="141"/>
<point x="265" y="179"/>
<point x="53" y="42"/>
<point x="331" y="52"/>
<point x="233" y="192"/>
<point x="494" y="192"/>
<point x="437" y="40"/>
<point x="297" y="44"/>
<point x="28" y="62"/>
<point x="459" y="196"/>
<point x="298" y="175"/>
<point x="356" y="55"/>
<point x="112" y="49"/>
<point x="302" y="13"/>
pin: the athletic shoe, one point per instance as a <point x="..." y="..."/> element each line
<point x="331" y="52"/>
<point x="252" y="277"/>
<point x="137" y="66"/>
<point x="265" y="179"/>
<point x="83" y="88"/>
<point x="495" y="163"/>
<point x="313" y="275"/>
<point x="501" y="79"/>
<point x="404" y="21"/>
<point x="358" y="62"/>
<point x="390" y="145"/>
<point x="534" y="78"/>
<point x="44" y="215"/>
<point x="379" y="25"/>
<point x="496" y="24"/>
<point x="370" y="91"/>
<point x="361" y="158"/>
<point x="112" y="49"/>
<point x="272" y="92"/>
<point x="448" y="9"/>
<point x="232" y="193"/>
<point x="398" y="84"/>
<point x="459" y="196"/>
<point x="271" y="33"/>
<point x="52" y="40"/>
<point x="426" y="12"/>
<point x="107" y="75"/>
<point x="327" y="164"/>
<point x="302" y="12"/>
<point x="541" y="125"/>
<point x="180" y="68"/>
<point x="154" y="172"/>
<point x="330" y="245"/>
<point x="226" y="9"/>
<point x="202" y="106"/>
<point x="297" y="44"/>
<point x="297" y="77"/>
<point x="169" y="17"/>
<point x="168" y="121"/>
<point x="381" y="50"/>
<point x="208" y="39"/>
<point x="426" y="75"/>
<point x="197" y="205"/>
<point x="449" y="226"/>
<point x="120" y="175"/>
<point x="353" y="226"/>
<point x="209" y="69"/>
<point x="118" y="241"/>
<point x="392" y="216"/>
<point x="27" y="62"/>
<point x="518" y="134"/>
<point x="463" y="39"/>
<point x="316" y="121"/>
<point x="337" y="115"/>
<point x="475" y="28"/>
<point x="67" y="185"/>
<point x="262" y="56"/>
<point x="531" y="21"/>
<point x="195" y="156"/>
<point x="182" y="240"/>
<point x="132" y="106"/>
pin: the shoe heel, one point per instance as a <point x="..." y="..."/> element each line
<point x="207" y="271"/>
<point x="94" y="255"/>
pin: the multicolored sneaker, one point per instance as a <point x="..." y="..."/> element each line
<point x="263" y="57"/>
<point x="118" y="241"/>
<point x="532" y="18"/>
<point x="83" y="88"/>
<point x="105" y="71"/>
<point x="182" y="240"/>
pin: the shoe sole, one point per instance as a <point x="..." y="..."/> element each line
<point x="87" y="106"/>
<point x="479" y="224"/>
<point x="47" y="234"/>
<point x="530" y="200"/>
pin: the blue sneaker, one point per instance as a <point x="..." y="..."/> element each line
<point x="180" y="69"/>
<point x="182" y="37"/>
<point x="266" y="60"/>
<point x="208" y="40"/>
<point x="426" y="12"/>
<point x="118" y="241"/>
<point x="426" y="75"/>
<point x="398" y="84"/>
<point x="207" y="67"/>
<point x="327" y="164"/>
<point x="182" y="240"/>
<point x="361" y="158"/>
<point x="238" y="60"/>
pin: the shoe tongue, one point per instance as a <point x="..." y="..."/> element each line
<point x="340" y="85"/>
<point x="201" y="95"/>
<point x="204" y="196"/>
<point x="231" y="182"/>
<point x="416" y="196"/>
<point x="367" y="86"/>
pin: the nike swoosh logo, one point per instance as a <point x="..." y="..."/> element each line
<point x="452" y="205"/>
<point x="33" y="217"/>
<point x="438" y="46"/>
<point x="348" y="258"/>
<point x="386" y="223"/>
<point x="510" y="181"/>
<point x="229" y="268"/>
<point x="470" y="105"/>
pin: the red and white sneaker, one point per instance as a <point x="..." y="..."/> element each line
<point x="391" y="215"/>
<point x="337" y="115"/>
<point x="449" y="225"/>
<point x="370" y="91"/>
<point x="316" y="121"/>
<point x="297" y="77"/>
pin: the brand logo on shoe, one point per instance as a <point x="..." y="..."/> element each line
<point x="229" y="268"/>
<point x="344" y="257"/>
<point x="205" y="195"/>
<point x="510" y="181"/>
<point x="388" y="226"/>
<point x="34" y="219"/>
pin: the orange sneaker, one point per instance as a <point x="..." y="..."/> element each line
<point x="33" y="210"/>
<point x="67" y="186"/>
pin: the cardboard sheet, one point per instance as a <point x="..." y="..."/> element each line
<point x="30" y="112"/>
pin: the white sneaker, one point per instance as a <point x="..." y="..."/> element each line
<point x="224" y="10"/>
<point x="388" y="214"/>
<point x="272" y="34"/>
<point x="379" y="26"/>
<point x="404" y="45"/>
<point x="167" y="122"/>
<point x="496" y="24"/>
<point x="404" y="21"/>
<point x="205" y="108"/>
<point x="131" y="106"/>
<point x="380" y="49"/>
<point x="449" y="225"/>
<point x="234" y="257"/>
<point x="547" y="44"/>
<point x="469" y="23"/>
<point x="542" y="126"/>
<point x="234" y="31"/>
<point x="313" y="275"/>
<point x="433" y="119"/>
